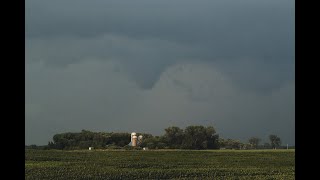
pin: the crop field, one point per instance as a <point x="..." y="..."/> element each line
<point x="173" y="164"/>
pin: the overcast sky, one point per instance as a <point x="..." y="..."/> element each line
<point x="144" y="65"/>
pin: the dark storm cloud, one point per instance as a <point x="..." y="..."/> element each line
<point x="80" y="54"/>
<point x="216" y="30"/>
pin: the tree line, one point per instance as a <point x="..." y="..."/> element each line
<point x="192" y="137"/>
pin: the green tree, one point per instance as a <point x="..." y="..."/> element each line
<point x="254" y="142"/>
<point x="221" y="142"/>
<point x="173" y="136"/>
<point x="51" y="145"/>
<point x="194" y="137"/>
<point x="200" y="137"/>
<point x="120" y="139"/>
<point x="230" y="143"/>
<point x="212" y="138"/>
<point x="275" y="141"/>
<point x="154" y="143"/>
<point x="235" y="144"/>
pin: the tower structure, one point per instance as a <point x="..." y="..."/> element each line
<point x="135" y="140"/>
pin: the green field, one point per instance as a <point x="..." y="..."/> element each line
<point x="207" y="164"/>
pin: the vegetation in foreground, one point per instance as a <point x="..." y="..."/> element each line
<point x="174" y="164"/>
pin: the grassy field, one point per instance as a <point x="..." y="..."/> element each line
<point x="207" y="164"/>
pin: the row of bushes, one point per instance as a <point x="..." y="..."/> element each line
<point x="192" y="137"/>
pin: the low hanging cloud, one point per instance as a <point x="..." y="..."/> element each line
<point x="93" y="95"/>
<point x="144" y="66"/>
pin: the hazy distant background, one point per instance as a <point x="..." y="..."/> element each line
<point x="144" y="65"/>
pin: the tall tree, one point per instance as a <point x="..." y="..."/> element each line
<point x="254" y="142"/>
<point x="200" y="137"/>
<point x="212" y="138"/>
<point x="174" y="136"/>
<point x="194" y="137"/>
<point x="275" y="141"/>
